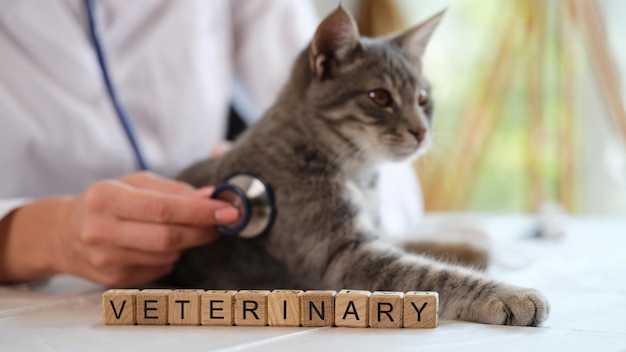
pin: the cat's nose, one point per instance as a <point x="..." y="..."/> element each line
<point x="419" y="133"/>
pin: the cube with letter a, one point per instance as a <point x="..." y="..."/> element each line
<point x="352" y="308"/>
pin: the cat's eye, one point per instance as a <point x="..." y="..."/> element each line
<point x="380" y="97"/>
<point x="422" y="97"/>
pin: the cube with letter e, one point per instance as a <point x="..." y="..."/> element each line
<point x="217" y="308"/>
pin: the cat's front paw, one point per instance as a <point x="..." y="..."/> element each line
<point x="512" y="306"/>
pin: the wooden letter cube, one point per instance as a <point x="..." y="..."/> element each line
<point x="284" y="308"/>
<point x="118" y="307"/>
<point x="352" y="308"/>
<point x="218" y="308"/>
<point x="317" y="308"/>
<point x="251" y="308"/>
<point x="421" y="309"/>
<point x="184" y="307"/>
<point x="151" y="307"/>
<point x="386" y="309"/>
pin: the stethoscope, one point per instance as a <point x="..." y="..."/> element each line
<point x="247" y="192"/>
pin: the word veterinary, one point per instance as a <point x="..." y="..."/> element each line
<point x="348" y="308"/>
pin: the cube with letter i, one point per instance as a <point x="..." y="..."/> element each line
<point x="284" y="308"/>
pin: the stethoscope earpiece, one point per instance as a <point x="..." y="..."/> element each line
<point x="254" y="199"/>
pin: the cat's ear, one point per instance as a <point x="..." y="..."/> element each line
<point x="413" y="41"/>
<point x="335" y="40"/>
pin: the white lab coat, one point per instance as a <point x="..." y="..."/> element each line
<point x="176" y="66"/>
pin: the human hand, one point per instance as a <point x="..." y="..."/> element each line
<point x="220" y="148"/>
<point x="132" y="230"/>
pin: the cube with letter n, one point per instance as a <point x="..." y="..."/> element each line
<point x="317" y="308"/>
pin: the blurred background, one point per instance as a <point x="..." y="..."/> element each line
<point x="529" y="102"/>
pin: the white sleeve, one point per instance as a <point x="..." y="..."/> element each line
<point x="269" y="34"/>
<point x="401" y="200"/>
<point x="8" y="205"/>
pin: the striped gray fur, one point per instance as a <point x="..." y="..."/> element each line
<point x="319" y="147"/>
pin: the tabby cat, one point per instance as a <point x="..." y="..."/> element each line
<point x="351" y="103"/>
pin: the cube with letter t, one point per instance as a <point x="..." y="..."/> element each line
<point x="184" y="307"/>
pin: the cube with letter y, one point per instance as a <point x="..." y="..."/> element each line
<point x="421" y="309"/>
<point x="118" y="307"/>
<point x="251" y="307"/>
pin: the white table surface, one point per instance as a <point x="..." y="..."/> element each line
<point x="583" y="275"/>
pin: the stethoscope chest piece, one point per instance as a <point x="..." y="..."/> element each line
<point x="254" y="199"/>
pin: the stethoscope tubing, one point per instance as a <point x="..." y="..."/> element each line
<point x="122" y="114"/>
<point x="127" y="125"/>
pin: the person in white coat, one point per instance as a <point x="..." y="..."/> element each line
<point x="71" y="197"/>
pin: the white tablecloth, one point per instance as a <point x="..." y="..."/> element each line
<point x="583" y="275"/>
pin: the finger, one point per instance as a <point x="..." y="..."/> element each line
<point x="151" y="237"/>
<point x="114" y="257"/>
<point x="205" y="192"/>
<point x="148" y="180"/>
<point x="151" y="206"/>
<point x="125" y="277"/>
<point x="220" y="148"/>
